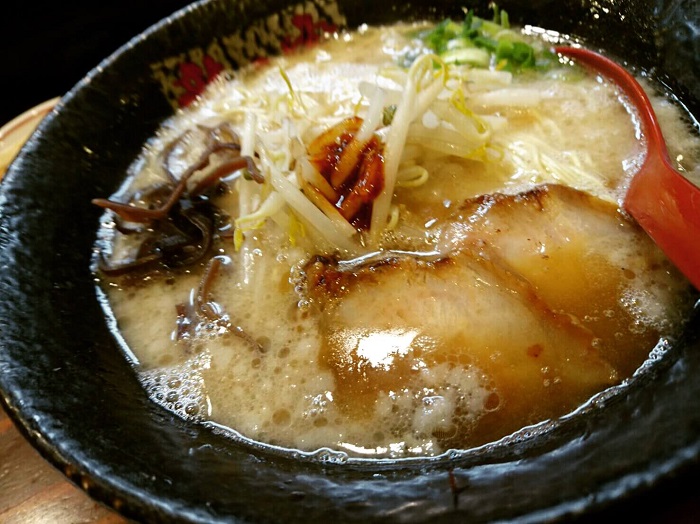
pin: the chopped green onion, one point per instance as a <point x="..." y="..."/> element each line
<point x="467" y="56"/>
<point x="484" y="43"/>
<point x="505" y="22"/>
<point x="388" y="114"/>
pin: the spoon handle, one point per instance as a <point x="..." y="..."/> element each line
<point x="664" y="203"/>
<point x="667" y="206"/>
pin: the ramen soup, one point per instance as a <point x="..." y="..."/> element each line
<point x="403" y="241"/>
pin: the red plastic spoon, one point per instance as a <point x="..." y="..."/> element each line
<point x="661" y="200"/>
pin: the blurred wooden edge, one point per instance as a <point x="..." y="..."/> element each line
<point x="15" y="133"/>
<point x="32" y="491"/>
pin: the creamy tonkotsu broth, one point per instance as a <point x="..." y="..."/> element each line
<point x="480" y="277"/>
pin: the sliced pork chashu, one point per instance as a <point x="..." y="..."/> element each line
<point x="580" y="256"/>
<point x="530" y="304"/>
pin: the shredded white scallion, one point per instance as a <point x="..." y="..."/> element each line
<point x="333" y="231"/>
<point x="424" y="84"/>
<point x="510" y="97"/>
<point x="374" y="115"/>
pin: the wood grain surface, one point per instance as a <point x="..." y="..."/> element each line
<point x="32" y="491"/>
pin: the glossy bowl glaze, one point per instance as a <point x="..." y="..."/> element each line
<point x="67" y="384"/>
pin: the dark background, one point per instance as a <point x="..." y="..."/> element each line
<point x="47" y="48"/>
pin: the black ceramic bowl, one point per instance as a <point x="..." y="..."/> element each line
<point x="66" y="383"/>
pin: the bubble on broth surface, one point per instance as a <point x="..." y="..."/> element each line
<point x="447" y="396"/>
<point x="180" y="388"/>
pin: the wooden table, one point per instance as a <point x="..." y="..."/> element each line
<point x="32" y="491"/>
